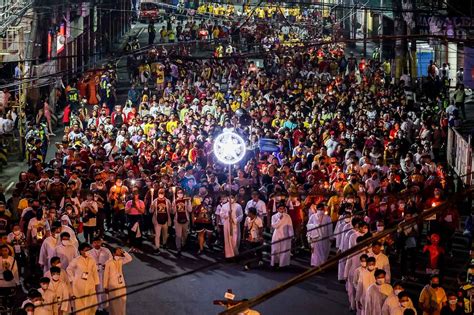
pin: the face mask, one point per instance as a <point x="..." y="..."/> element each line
<point x="44" y="286"/>
<point x="380" y="281"/>
<point x="363" y="264"/>
<point x="452" y="302"/>
<point x="69" y="211"/>
<point x="397" y="291"/>
<point x="55" y="277"/>
<point x="371" y="268"/>
<point x="37" y="303"/>
<point x="320" y="212"/>
<point x="66" y="242"/>
<point x="404" y="304"/>
<point x="380" y="228"/>
<point x="347" y="220"/>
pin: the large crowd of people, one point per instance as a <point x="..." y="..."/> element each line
<point x="336" y="153"/>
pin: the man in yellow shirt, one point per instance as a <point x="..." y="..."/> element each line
<point x="432" y="297"/>
<point x="352" y="187"/>
<point x="172" y="124"/>
<point x="160" y="78"/>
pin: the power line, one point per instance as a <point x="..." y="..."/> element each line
<point x="334" y="260"/>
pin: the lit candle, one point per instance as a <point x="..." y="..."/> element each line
<point x="433" y="204"/>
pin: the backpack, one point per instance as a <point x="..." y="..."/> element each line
<point x="8" y="274"/>
<point x="3" y="226"/>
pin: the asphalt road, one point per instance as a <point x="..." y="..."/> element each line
<point x="194" y="293"/>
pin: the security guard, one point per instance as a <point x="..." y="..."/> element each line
<point x="104" y="80"/>
<point x="73" y="98"/>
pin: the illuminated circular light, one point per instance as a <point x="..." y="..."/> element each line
<point x="229" y="147"/>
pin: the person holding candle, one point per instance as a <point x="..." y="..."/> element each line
<point x="135" y="209"/>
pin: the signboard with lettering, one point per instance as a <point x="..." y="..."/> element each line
<point x="456" y="27"/>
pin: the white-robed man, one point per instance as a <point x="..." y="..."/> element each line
<point x="56" y="262"/>
<point x="84" y="278"/>
<point x="381" y="260"/>
<point x="47" y="294"/>
<point x="319" y="229"/>
<point x="60" y="290"/>
<point x="231" y="215"/>
<point x="48" y="249"/>
<point x="161" y="219"/>
<point x="397" y="302"/>
<point x="352" y="264"/>
<point x="65" y="250"/>
<point x="366" y="279"/>
<point x="356" y="275"/>
<point x="376" y="294"/>
<point x="282" y="236"/>
<point x="343" y="225"/>
<point x="349" y="229"/>
<point x="114" y="282"/>
<point x="100" y="255"/>
<point x="181" y="209"/>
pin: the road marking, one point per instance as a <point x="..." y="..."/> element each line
<point x="9" y="186"/>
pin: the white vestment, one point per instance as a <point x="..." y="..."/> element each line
<point x="47" y="251"/>
<point x="66" y="254"/>
<point x="100" y="257"/>
<point x="366" y="279"/>
<point x="60" y="290"/>
<point x="343" y="245"/>
<point x="319" y="229"/>
<point x="281" y="239"/>
<point x="375" y="297"/>
<point x="84" y="276"/>
<point x="231" y="216"/>
<point x="391" y="306"/>
<point x="114" y="281"/>
<point x="382" y="262"/>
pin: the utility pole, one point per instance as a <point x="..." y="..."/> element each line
<point x="365" y="32"/>
<point x="381" y="32"/>
<point x="22" y="91"/>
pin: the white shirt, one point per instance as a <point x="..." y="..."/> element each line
<point x="9" y="264"/>
<point x="253" y="226"/>
<point x="259" y="205"/>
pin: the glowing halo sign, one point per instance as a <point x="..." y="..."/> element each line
<point x="229" y="148"/>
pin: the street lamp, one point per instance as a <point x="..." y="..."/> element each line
<point x="229" y="148"/>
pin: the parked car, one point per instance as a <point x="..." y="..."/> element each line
<point x="150" y="11"/>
